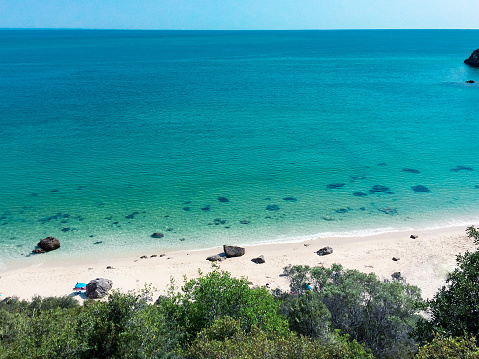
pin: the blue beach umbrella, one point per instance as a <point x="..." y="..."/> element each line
<point x="80" y="286"/>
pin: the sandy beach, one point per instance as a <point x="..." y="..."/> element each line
<point x="423" y="261"/>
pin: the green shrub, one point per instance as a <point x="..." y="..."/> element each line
<point x="454" y="310"/>
<point x="449" y="348"/>
<point x="225" y="338"/>
<point x="51" y="334"/>
<point x="473" y="233"/>
<point x="202" y="301"/>
<point x="380" y="314"/>
<point x="125" y="326"/>
<point x="307" y="315"/>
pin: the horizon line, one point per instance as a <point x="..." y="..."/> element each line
<point x="339" y="29"/>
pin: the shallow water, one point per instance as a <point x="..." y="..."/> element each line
<point x="109" y="136"/>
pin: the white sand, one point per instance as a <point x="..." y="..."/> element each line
<point x="424" y="262"/>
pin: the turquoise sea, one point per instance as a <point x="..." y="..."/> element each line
<point x="232" y="137"/>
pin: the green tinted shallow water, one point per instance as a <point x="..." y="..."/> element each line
<point x="109" y="136"/>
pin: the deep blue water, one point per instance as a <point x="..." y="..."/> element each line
<point x="109" y="136"/>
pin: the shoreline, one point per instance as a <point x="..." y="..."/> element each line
<point x="83" y="255"/>
<point x="424" y="261"/>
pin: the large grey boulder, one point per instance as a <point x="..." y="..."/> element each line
<point x="97" y="288"/>
<point x="48" y="244"/>
<point x="324" y="251"/>
<point x="233" y="251"/>
<point x="473" y="60"/>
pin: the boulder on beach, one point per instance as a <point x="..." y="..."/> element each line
<point x="233" y="251"/>
<point x="98" y="288"/>
<point x="324" y="251"/>
<point x="473" y="60"/>
<point x="258" y="260"/>
<point x="215" y="258"/>
<point x="48" y="244"/>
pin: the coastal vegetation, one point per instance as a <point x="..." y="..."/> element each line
<point x="327" y="313"/>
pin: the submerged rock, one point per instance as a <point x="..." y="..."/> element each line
<point x="462" y="168"/>
<point x="410" y="170"/>
<point x="420" y="189"/>
<point x="389" y="210"/>
<point x="131" y="216"/>
<point x="290" y="199"/>
<point x="157" y="235"/>
<point x="223" y="199"/>
<point x="272" y="207"/>
<point x="355" y="178"/>
<point x="359" y="194"/>
<point x="334" y="185"/>
<point x="379" y="189"/>
<point x="473" y="60"/>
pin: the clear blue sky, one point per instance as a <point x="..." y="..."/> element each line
<point x="240" y="14"/>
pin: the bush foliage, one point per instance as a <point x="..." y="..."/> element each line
<point x="380" y="314"/>
<point x="226" y="339"/>
<point x="328" y="313"/>
<point x="449" y="348"/>
<point x="454" y="310"/>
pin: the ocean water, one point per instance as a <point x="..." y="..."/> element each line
<point x="232" y="137"/>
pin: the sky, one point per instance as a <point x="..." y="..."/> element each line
<point x="240" y="14"/>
